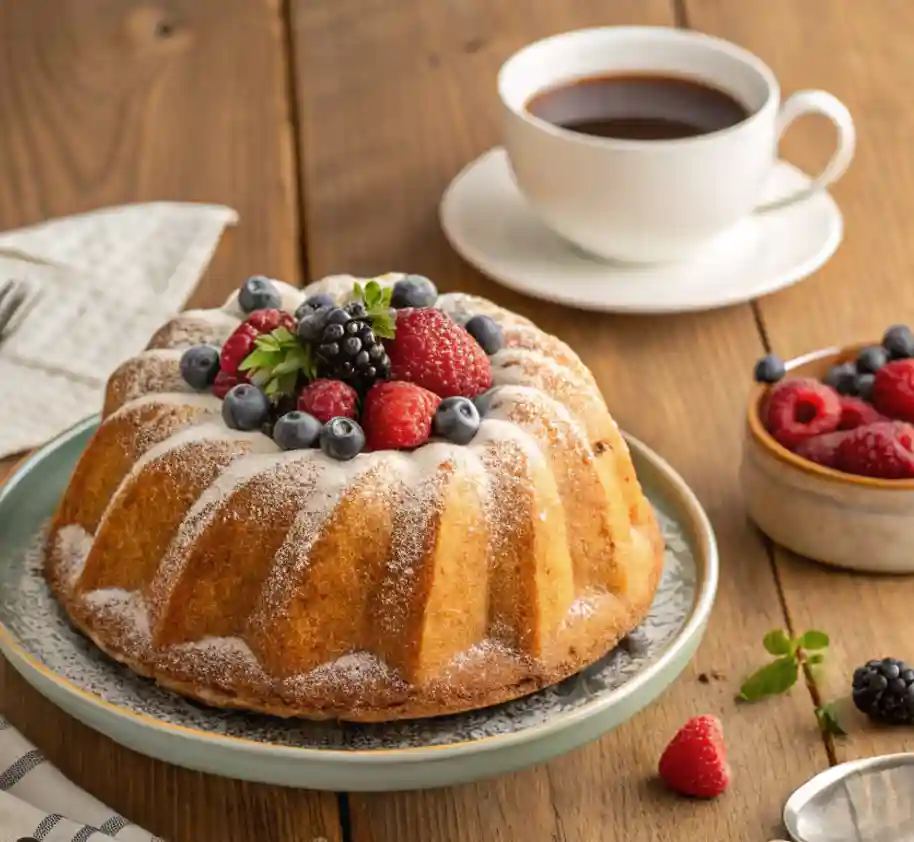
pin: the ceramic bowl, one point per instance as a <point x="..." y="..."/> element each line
<point x="843" y="520"/>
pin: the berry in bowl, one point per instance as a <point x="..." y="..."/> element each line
<point x="828" y="458"/>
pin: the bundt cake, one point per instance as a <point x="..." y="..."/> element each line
<point x="438" y="516"/>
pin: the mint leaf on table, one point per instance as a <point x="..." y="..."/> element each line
<point x="829" y="723"/>
<point x="813" y="640"/>
<point x="777" y="642"/>
<point x="777" y="677"/>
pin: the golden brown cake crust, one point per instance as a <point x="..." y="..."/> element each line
<point x="402" y="585"/>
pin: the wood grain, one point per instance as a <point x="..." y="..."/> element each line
<point x="106" y="102"/>
<point x="864" y="58"/>
<point x="380" y="141"/>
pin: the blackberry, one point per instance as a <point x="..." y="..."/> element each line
<point x="884" y="690"/>
<point x="348" y="350"/>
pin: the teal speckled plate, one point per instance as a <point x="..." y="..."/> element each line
<point x="65" y="667"/>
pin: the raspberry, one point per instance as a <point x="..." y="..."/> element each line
<point x="823" y="450"/>
<point x="857" y="413"/>
<point x="433" y="352"/>
<point x="326" y="399"/>
<point x="398" y="415"/>
<point x="241" y="342"/>
<point x="695" y="762"/>
<point x="893" y="390"/>
<point x="225" y="381"/>
<point x="884" y="450"/>
<point x="800" y="408"/>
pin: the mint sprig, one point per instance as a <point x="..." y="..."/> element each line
<point x="782" y="673"/>
<point x="277" y="362"/>
<point x="377" y="302"/>
<point x="829" y="720"/>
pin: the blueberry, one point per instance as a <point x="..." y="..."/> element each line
<point x="769" y="369"/>
<point x="314" y="303"/>
<point x="483" y="402"/>
<point x="245" y="407"/>
<point x="259" y="293"/>
<point x="871" y="359"/>
<point x="899" y="342"/>
<point x="337" y="316"/>
<point x="199" y="366"/>
<point x="486" y="332"/>
<point x="864" y="386"/>
<point x="296" y="431"/>
<point x="413" y="291"/>
<point x="842" y="378"/>
<point x="342" y="438"/>
<point x="456" y="420"/>
<point x="311" y="326"/>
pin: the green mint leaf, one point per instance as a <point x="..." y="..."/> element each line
<point x="357" y="292"/>
<point x="777" y="642"/>
<point x="829" y="723"/>
<point x="284" y="336"/>
<point x="289" y="365"/>
<point x="383" y="326"/>
<point x="816" y="658"/>
<point x="813" y="640"/>
<point x="285" y="383"/>
<point x="266" y="342"/>
<point x="261" y="378"/>
<point x="777" y="677"/>
<point x="260" y="359"/>
<point x="386" y="294"/>
<point x="373" y="295"/>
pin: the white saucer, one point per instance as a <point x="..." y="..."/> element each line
<point x="488" y="222"/>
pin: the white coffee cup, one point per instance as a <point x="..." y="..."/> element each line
<point x="648" y="201"/>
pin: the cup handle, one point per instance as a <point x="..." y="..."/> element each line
<point x="817" y="102"/>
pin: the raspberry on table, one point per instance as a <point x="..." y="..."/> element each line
<point x="326" y="399"/>
<point x="823" y="450"/>
<point x="695" y="762"/>
<point x="800" y="408"/>
<point x="398" y="415"/>
<point x="884" y="450"/>
<point x="857" y="413"/>
<point x="430" y="350"/>
<point x="893" y="390"/>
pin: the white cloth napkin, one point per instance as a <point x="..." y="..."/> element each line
<point x="104" y="281"/>
<point x="38" y="802"/>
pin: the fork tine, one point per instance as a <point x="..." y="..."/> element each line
<point x="25" y="305"/>
<point x="13" y="296"/>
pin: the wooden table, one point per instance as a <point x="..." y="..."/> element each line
<point x="333" y="126"/>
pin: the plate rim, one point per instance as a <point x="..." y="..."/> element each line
<point x="474" y="258"/>
<point x="704" y="536"/>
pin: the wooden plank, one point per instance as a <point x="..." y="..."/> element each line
<point x="106" y="103"/>
<point x="861" y="58"/>
<point x="381" y="139"/>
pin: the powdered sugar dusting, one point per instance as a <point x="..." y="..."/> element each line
<point x="72" y="547"/>
<point x="126" y="606"/>
<point x="350" y="674"/>
<point x="195" y="327"/>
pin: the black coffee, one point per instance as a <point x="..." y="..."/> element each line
<point x="638" y="107"/>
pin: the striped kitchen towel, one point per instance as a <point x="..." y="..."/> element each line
<point x="38" y="803"/>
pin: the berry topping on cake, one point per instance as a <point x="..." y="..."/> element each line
<point x="800" y="408"/>
<point x="326" y="399"/>
<point x="893" y="389"/>
<point x="899" y="342"/>
<point x="842" y="378"/>
<point x="884" y="691"/>
<point x="456" y="420"/>
<point x="199" y="366"/>
<point x="313" y="303"/>
<point x="297" y="430"/>
<point x="433" y="352"/>
<point x="695" y="762"/>
<point x="871" y="359"/>
<point x="857" y="413"/>
<point x="342" y="439"/>
<point x="413" y="291"/>
<point x="259" y="293"/>
<point x="278" y="362"/>
<point x="884" y="450"/>
<point x="865" y="385"/>
<point x="486" y="332"/>
<point x="483" y="402"/>
<point x="225" y="381"/>
<point x="769" y="369"/>
<point x="398" y="415"/>
<point x="245" y="407"/>
<point x="349" y="350"/>
<point x="237" y="347"/>
<point x="823" y="450"/>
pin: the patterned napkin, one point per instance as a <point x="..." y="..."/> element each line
<point x="102" y="283"/>
<point x="38" y="803"/>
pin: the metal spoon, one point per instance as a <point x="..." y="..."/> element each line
<point x="869" y="800"/>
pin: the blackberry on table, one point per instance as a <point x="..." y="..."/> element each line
<point x="884" y="690"/>
<point x="348" y="349"/>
